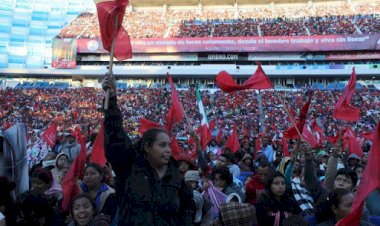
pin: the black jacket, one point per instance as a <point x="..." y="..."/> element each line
<point x="144" y="199"/>
<point x="268" y="206"/>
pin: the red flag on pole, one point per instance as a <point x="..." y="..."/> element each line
<point x="50" y="135"/>
<point x="343" y="109"/>
<point x="219" y="136"/>
<point x="97" y="153"/>
<point x="146" y="124"/>
<point x="350" y="141"/>
<point x="259" y="80"/>
<point x="308" y="136"/>
<point x="108" y="10"/>
<point x="176" y="149"/>
<point x="70" y="180"/>
<point x="177" y="110"/>
<point x="285" y="147"/>
<point x="233" y="141"/>
<point x="369" y="181"/>
<point x="292" y="133"/>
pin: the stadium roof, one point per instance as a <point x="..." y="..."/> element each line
<point x="152" y="3"/>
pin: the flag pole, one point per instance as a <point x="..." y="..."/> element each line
<point x="110" y="66"/>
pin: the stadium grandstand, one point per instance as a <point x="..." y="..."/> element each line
<point x="317" y="42"/>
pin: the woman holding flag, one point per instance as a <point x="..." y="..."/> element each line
<point x="148" y="185"/>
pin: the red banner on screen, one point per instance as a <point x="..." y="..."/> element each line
<point x="243" y="44"/>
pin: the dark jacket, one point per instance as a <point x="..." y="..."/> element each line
<point x="267" y="208"/>
<point x="144" y="198"/>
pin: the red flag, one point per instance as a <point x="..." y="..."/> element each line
<point x="317" y="128"/>
<point x="308" y="136"/>
<point x="259" y="80"/>
<point x="369" y="181"/>
<point x="258" y="142"/>
<point x="176" y="149"/>
<point x="226" y="83"/>
<point x="69" y="182"/>
<point x="333" y="140"/>
<point x="177" y="109"/>
<point x="343" y="109"/>
<point x="50" y="135"/>
<point x="292" y="133"/>
<point x="108" y="10"/>
<point x="285" y="147"/>
<point x="146" y="124"/>
<point x="350" y="141"/>
<point x="205" y="136"/>
<point x="212" y="125"/>
<point x="97" y="153"/>
<point x="219" y="136"/>
<point x="367" y="135"/>
<point x="233" y="141"/>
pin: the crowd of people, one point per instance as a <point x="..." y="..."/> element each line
<point x="145" y="180"/>
<point x="327" y="19"/>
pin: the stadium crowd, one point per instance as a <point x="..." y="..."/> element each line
<point x="227" y="187"/>
<point x="339" y="19"/>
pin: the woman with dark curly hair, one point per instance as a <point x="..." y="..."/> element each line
<point x="275" y="205"/>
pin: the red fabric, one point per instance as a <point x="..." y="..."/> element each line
<point x="292" y="133"/>
<point x="233" y="141"/>
<point x="285" y="147"/>
<point x="146" y="124"/>
<point x="369" y="181"/>
<point x="226" y="83"/>
<point x="259" y="80"/>
<point x="175" y="148"/>
<point x="50" y="135"/>
<point x="107" y="12"/>
<point x="70" y="186"/>
<point x="212" y="125"/>
<point x="258" y="143"/>
<point x="343" y="109"/>
<point x="219" y="136"/>
<point x="176" y="107"/>
<point x="98" y="154"/>
<point x="308" y="136"/>
<point x="316" y="128"/>
<point x="169" y="119"/>
<point x="252" y="189"/>
<point x="205" y="136"/>
<point x="367" y="135"/>
<point x="350" y="141"/>
<point x="333" y="140"/>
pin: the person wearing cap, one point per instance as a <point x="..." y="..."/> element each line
<point x="71" y="148"/>
<point x="192" y="178"/>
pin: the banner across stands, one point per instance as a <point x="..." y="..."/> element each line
<point x="243" y="44"/>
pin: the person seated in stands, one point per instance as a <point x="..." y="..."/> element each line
<point x="246" y="164"/>
<point x="93" y="185"/>
<point x="71" y="148"/>
<point x="275" y="204"/>
<point x="226" y="159"/>
<point x="340" y="204"/>
<point x="256" y="187"/>
<point x="83" y="211"/>
<point x="224" y="181"/>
